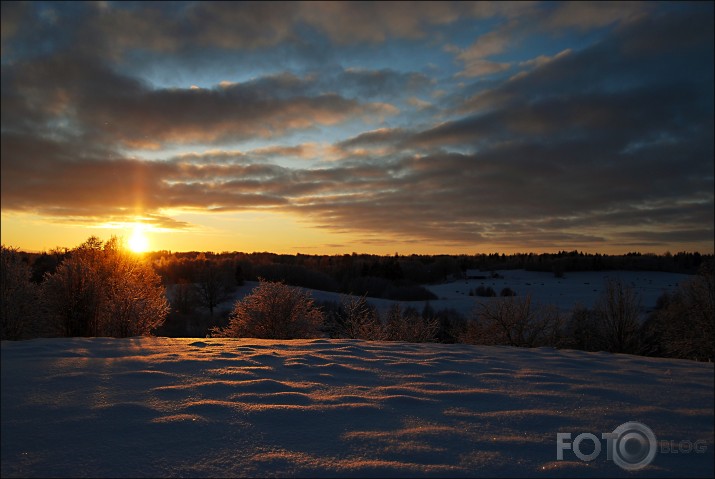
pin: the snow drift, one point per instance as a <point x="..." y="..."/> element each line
<point x="144" y="407"/>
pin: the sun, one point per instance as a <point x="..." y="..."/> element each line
<point x="138" y="242"/>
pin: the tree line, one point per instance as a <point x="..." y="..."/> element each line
<point x="100" y="289"/>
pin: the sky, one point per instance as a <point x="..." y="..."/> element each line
<point x="371" y="127"/>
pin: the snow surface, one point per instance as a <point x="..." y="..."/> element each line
<point x="575" y="288"/>
<point x="147" y="407"/>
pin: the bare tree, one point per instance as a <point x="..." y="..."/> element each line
<point x="274" y="311"/>
<point x="18" y="296"/>
<point x="184" y="296"/>
<point x="618" y="312"/>
<point x="514" y="321"/>
<point x="211" y="287"/>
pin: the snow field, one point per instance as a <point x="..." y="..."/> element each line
<point x="218" y="407"/>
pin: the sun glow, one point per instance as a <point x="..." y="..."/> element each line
<point x="138" y="242"/>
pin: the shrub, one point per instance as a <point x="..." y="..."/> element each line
<point x="452" y="325"/>
<point x="273" y="311"/>
<point x="487" y="292"/>
<point x="682" y="326"/>
<point x="409" y="325"/>
<point x="355" y="318"/>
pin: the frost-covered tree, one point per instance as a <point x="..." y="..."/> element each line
<point x="104" y="290"/>
<point x="18" y="296"/>
<point x="357" y="319"/>
<point x="273" y="311"/>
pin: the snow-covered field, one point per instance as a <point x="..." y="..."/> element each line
<point x="581" y="288"/>
<point x="146" y="407"/>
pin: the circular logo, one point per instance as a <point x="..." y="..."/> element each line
<point x="634" y="447"/>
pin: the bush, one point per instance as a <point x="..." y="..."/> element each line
<point x="103" y="290"/>
<point x="409" y="325"/>
<point x="452" y="325"/>
<point x="355" y="318"/>
<point x="273" y="311"/>
<point x="487" y="292"/>
<point x="682" y="326"/>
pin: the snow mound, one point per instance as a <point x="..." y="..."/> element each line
<point x="148" y="407"/>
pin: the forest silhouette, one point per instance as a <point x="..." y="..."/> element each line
<point x="101" y="289"/>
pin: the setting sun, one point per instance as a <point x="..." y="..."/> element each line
<point x="138" y="242"/>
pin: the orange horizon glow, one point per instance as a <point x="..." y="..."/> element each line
<point x="267" y="233"/>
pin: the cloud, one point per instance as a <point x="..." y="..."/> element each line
<point x="376" y="138"/>
<point x="113" y="30"/>
<point x="365" y="83"/>
<point x="91" y="99"/>
<point x="556" y="151"/>
<point x="589" y="15"/>
<point x="11" y="16"/>
<point x="529" y="20"/>
<point x="349" y="22"/>
<point x="519" y="195"/>
<point x="476" y="56"/>
<point x="542" y="60"/>
<point x="606" y="142"/>
<point x="64" y="180"/>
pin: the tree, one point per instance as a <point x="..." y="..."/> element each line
<point x="134" y="301"/>
<point x="18" y="296"/>
<point x="618" y="311"/>
<point x="184" y="296"/>
<point x="72" y="295"/>
<point x="583" y="330"/>
<point x="514" y="321"/>
<point x="273" y="311"/>
<point x="213" y="283"/>
<point x="103" y="290"/>
<point x="683" y="324"/>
